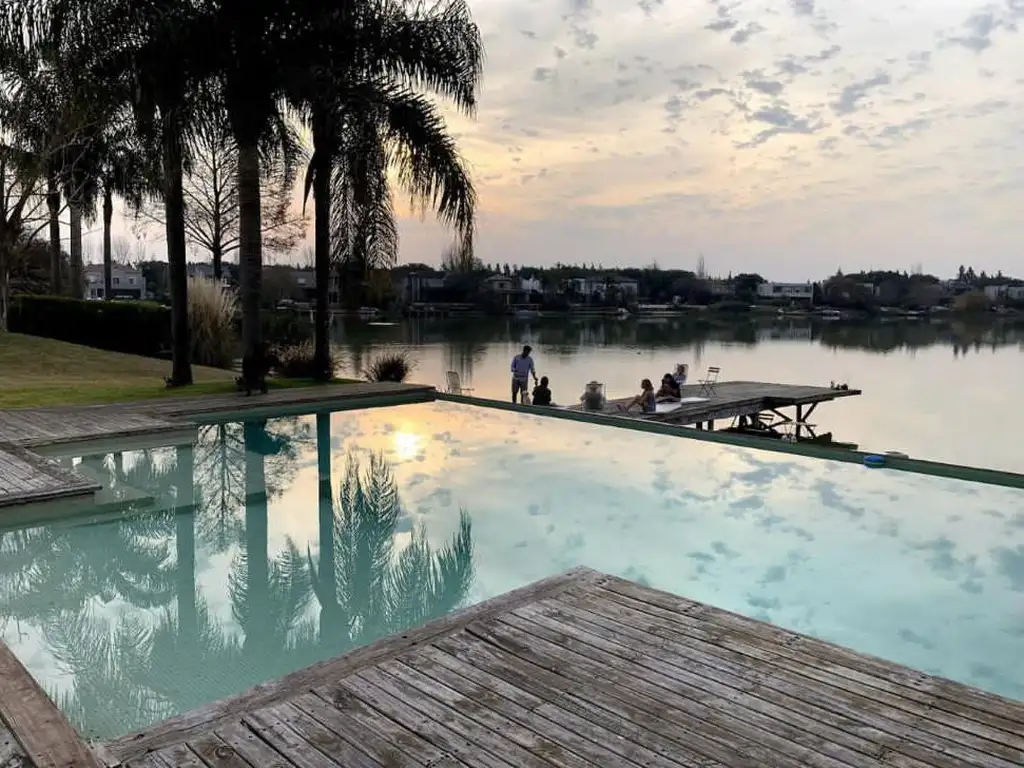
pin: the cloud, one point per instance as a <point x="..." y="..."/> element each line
<point x="851" y="96"/>
<point x="977" y="31"/>
<point x="626" y="131"/>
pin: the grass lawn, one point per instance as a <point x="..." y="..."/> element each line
<point x="37" y="372"/>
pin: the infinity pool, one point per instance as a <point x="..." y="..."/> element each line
<point x="311" y="535"/>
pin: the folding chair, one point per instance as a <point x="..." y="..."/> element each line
<point x="707" y="384"/>
<point x="455" y="384"/>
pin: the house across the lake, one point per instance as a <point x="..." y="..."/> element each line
<point x="126" y="282"/>
<point x="797" y="291"/>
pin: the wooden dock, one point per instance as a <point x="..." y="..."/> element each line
<point x="579" y="670"/>
<point x="27" y="477"/>
<point x="733" y="399"/>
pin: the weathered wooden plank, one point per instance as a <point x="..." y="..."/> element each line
<point x="382" y="739"/>
<point x="796" y="682"/>
<point x="985" y="715"/>
<point x="723" y="693"/>
<point x="533" y="712"/>
<point x="863" y="729"/>
<point x="596" y="700"/>
<point x="11" y="753"/>
<point x="303" y="740"/>
<point x="45" y="735"/>
<point x="217" y="753"/>
<point x="787" y="750"/>
<point x="181" y="727"/>
<point x="488" y="714"/>
<point x="180" y="756"/>
<point x="450" y="736"/>
<point x="714" y="737"/>
<point x="250" y="747"/>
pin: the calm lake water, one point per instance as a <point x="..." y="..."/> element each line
<point x="941" y="390"/>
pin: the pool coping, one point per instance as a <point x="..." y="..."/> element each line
<point x="983" y="475"/>
<point x="26" y="432"/>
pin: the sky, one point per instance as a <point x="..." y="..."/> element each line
<point x="786" y="137"/>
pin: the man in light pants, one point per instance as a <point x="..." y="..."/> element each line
<point x="522" y="369"/>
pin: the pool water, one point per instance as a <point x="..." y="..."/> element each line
<point x="266" y="546"/>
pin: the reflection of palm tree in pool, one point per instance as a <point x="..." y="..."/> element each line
<point x="365" y="591"/>
<point x="128" y="670"/>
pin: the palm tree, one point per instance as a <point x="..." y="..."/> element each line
<point x="367" y="118"/>
<point x="142" y="52"/>
<point x="123" y="172"/>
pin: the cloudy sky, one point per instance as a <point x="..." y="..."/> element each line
<point x="788" y="137"/>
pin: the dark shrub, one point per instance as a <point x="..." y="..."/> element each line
<point x="132" y="327"/>
<point x="390" y="366"/>
<point x="285" y="328"/>
<point x="297" y="361"/>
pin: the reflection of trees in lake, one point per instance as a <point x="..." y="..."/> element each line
<point x="137" y="639"/>
<point x="568" y="334"/>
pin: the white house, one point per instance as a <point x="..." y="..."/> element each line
<point x="1004" y="292"/>
<point x="801" y="291"/>
<point x="597" y="286"/>
<point x="531" y="285"/>
<point x="501" y="284"/>
<point x="126" y="282"/>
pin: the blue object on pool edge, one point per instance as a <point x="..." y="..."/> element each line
<point x="874" y="461"/>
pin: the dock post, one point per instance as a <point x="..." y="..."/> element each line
<point x="799" y="420"/>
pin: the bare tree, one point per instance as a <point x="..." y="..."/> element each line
<point x="211" y="199"/>
<point x="121" y="250"/>
<point x="23" y="212"/>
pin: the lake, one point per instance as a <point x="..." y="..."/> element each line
<point x="942" y="390"/>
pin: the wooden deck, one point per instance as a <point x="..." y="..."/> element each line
<point x="26" y="477"/>
<point x="731" y="399"/>
<point x="588" y="670"/>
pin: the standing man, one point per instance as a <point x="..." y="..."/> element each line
<point x="522" y="369"/>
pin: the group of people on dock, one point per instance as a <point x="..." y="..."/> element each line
<point x="670" y="391"/>
<point x="523" y="368"/>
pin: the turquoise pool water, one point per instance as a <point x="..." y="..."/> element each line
<point x="310" y="535"/>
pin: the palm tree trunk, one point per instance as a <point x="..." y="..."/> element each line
<point x="77" y="283"/>
<point x="250" y="246"/>
<point x="174" y="215"/>
<point x="328" y="584"/>
<point x="108" y="265"/>
<point x="53" y="204"/>
<point x="322" y="251"/>
<point x="185" y="546"/>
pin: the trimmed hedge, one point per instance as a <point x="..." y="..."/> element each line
<point x="133" y="327"/>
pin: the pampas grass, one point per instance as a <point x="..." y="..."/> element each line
<point x="298" y="361"/>
<point x="211" y="314"/>
<point x="390" y="366"/>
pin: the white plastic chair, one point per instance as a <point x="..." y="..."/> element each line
<point x="455" y="384"/>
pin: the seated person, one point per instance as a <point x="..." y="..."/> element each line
<point x="682" y="369"/>
<point x="542" y="392"/>
<point x="669" y="391"/>
<point x="646" y="400"/>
